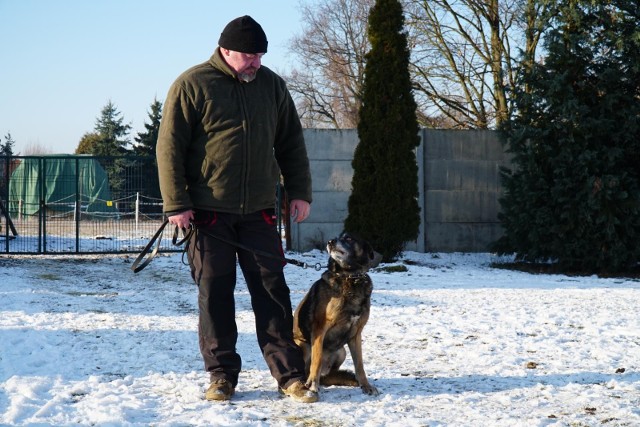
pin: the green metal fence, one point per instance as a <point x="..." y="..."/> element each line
<point x="83" y="205"/>
<point x="78" y="204"/>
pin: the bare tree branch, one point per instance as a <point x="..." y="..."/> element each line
<point x="463" y="58"/>
<point x="327" y="84"/>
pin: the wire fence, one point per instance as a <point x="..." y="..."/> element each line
<point x="81" y="204"/>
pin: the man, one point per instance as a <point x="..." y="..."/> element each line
<point x="229" y="130"/>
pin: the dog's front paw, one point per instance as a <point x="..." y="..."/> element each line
<point x="370" y="390"/>
<point x="312" y="385"/>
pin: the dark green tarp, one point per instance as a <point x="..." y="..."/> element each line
<point x="60" y="182"/>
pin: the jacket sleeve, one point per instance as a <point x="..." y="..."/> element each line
<point x="174" y="137"/>
<point x="291" y="151"/>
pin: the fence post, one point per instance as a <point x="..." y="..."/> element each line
<point x="77" y="213"/>
<point x="137" y="211"/>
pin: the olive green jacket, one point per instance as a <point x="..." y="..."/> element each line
<point x="223" y="144"/>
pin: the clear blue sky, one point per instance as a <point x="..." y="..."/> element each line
<point x="61" y="61"/>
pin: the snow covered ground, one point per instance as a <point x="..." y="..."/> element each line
<point x="450" y="342"/>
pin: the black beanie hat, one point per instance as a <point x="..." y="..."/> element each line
<point x="243" y="34"/>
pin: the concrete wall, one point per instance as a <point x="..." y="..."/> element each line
<point x="330" y="152"/>
<point x="458" y="182"/>
<point x="461" y="189"/>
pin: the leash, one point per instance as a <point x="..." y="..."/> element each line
<point x="140" y="263"/>
<point x="317" y="266"/>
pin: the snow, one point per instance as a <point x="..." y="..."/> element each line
<point x="450" y="342"/>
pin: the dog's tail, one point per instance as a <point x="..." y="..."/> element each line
<point x="340" y="378"/>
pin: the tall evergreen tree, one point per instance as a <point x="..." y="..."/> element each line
<point x="146" y="146"/>
<point x="383" y="205"/>
<point x="113" y="140"/>
<point x="6" y="148"/>
<point x="573" y="195"/>
<point x="146" y="141"/>
<point x="113" y="132"/>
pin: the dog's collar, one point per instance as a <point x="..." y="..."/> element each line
<point x="348" y="275"/>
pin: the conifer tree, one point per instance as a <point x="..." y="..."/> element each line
<point x="146" y="146"/>
<point x="113" y="141"/>
<point x="6" y="148"/>
<point x="573" y="194"/>
<point x="383" y="205"/>
<point x="146" y="141"/>
<point x="113" y="132"/>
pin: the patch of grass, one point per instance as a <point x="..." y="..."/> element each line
<point x="398" y="268"/>
<point x="49" y="276"/>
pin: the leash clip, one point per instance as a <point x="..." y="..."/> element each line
<point x="317" y="266"/>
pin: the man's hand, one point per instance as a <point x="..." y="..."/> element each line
<point x="300" y="210"/>
<point x="182" y="219"/>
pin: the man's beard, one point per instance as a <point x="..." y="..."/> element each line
<point x="246" y="77"/>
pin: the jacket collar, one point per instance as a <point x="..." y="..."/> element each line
<point x="219" y="63"/>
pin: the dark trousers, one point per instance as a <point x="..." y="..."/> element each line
<point x="213" y="268"/>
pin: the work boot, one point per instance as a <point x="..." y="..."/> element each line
<point x="299" y="392"/>
<point x="220" y="389"/>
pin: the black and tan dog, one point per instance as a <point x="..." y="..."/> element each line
<point x="334" y="312"/>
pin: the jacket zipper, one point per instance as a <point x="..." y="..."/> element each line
<point x="244" y="188"/>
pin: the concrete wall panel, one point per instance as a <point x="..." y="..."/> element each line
<point x="459" y="185"/>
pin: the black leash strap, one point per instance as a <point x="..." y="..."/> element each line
<point x="140" y="263"/>
<point x="295" y="262"/>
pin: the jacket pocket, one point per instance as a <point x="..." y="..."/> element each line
<point x="205" y="218"/>
<point x="269" y="216"/>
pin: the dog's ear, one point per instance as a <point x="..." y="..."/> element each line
<point x="375" y="259"/>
